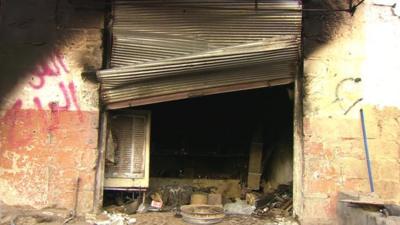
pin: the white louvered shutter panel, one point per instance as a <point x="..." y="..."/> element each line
<point x="131" y="135"/>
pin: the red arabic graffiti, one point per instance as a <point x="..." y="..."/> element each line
<point x="55" y="66"/>
<point x="38" y="104"/>
<point x="72" y="91"/>
<point x="54" y="106"/>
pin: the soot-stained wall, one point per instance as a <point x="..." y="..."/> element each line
<point x="48" y="109"/>
<point x="351" y="62"/>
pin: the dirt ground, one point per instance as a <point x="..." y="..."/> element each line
<point x="28" y="216"/>
<point x="155" y="218"/>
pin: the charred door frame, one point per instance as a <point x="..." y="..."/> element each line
<point x="104" y="116"/>
<point x="298" y="153"/>
<point x="100" y="163"/>
<point x="298" y="166"/>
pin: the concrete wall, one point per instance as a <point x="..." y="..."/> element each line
<point x="348" y="58"/>
<point x="48" y="110"/>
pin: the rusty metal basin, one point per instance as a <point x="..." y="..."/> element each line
<point x="202" y="214"/>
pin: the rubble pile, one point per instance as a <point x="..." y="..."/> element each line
<point x="276" y="204"/>
<point x="204" y="205"/>
<point x="129" y="207"/>
<point x="172" y="197"/>
<point x="239" y="207"/>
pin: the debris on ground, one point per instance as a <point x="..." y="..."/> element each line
<point x="156" y="202"/>
<point x="156" y="197"/>
<point x="214" y="199"/>
<point x="115" y="209"/>
<point x="252" y="197"/>
<point x="130" y="207"/>
<point x="24" y="215"/>
<point x="199" y="204"/>
<point x="275" y="204"/>
<point x="155" y="206"/>
<point x="173" y="196"/>
<point x="111" y="219"/>
<point x="239" y="207"/>
<point x="142" y="208"/>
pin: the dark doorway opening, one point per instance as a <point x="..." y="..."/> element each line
<point x="210" y="144"/>
<point x="210" y="137"/>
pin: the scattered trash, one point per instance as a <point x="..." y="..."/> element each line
<point x="115" y="209"/>
<point x="173" y="196"/>
<point x="131" y="221"/>
<point x="142" y="208"/>
<point x="178" y="213"/>
<point x="275" y="204"/>
<point x="239" y="207"/>
<point x="214" y="199"/>
<point x="203" y="206"/>
<point x="132" y="207"/>
<point x="156" y="197"/>
<point x="202" y="214"/>
<point x="252" y="197"/>
<point x="156" y="204"/>
<point x="112" y="219"/>
<point x="97" y="219"/>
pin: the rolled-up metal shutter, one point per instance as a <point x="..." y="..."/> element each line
<point x="172" y="49"/>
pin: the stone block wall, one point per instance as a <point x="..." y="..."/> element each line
<point x="351" y="62"/>
<point x="48" y="110"/>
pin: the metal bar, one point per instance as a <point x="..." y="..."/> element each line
<point x="371" y="182"/>
<point x="100" y="162"/>
<point x="124" y="189"/>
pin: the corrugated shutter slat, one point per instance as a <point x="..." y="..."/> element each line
<point x="178" y="48"/>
